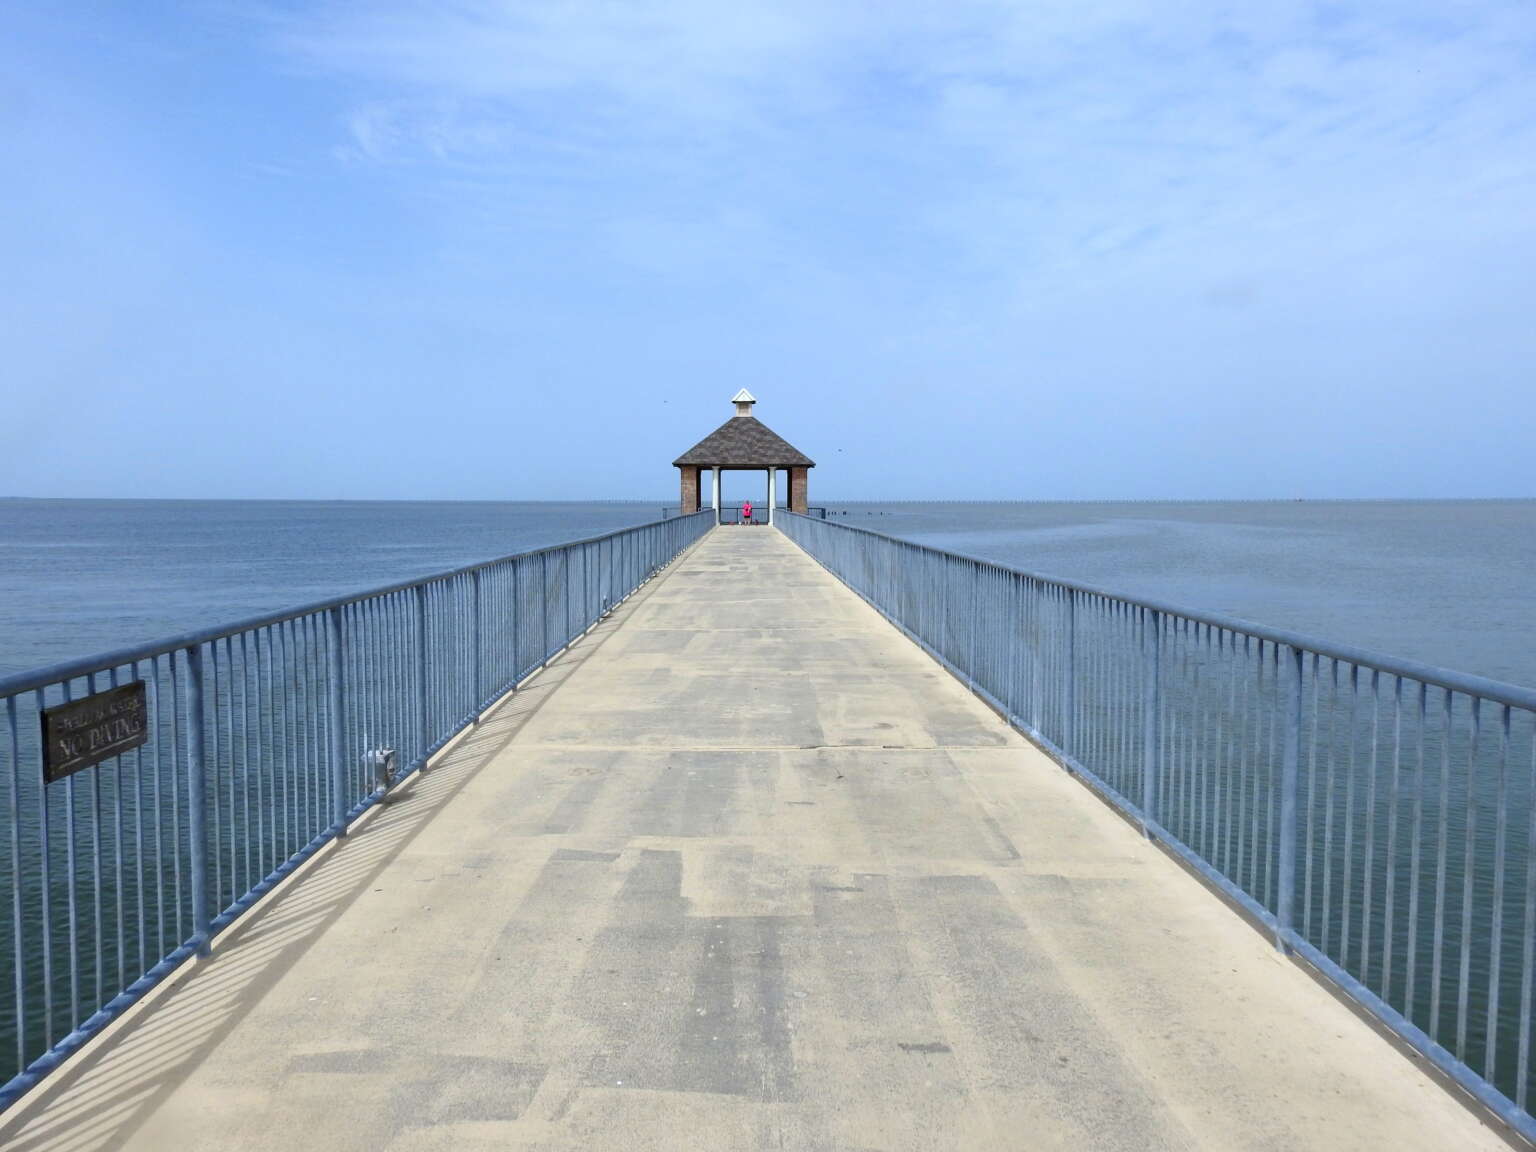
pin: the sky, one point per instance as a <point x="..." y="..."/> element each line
<point x="489" y="249"/>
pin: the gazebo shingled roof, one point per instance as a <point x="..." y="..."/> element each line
<point x="744" y="442"/>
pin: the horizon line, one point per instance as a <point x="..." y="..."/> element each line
<point x="828" y="502"/>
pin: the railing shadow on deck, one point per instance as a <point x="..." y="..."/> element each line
<point x="98" y="1100"/>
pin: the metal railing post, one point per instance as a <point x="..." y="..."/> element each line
<point x="197" y="799"/>
<point x="970" y="670"/>
<point x="1069" y="721"/>
<point x="336" y="704"/>
<point x="565" y="597"/>
<point x="1151" y="623"/>
<point x="422" y="707"/>
<point x="476" y="674"/>
<point x="1289" y="783"/>
<point x="544" y="607"/>
<point x="516" y="627"/>
<point x="1037" y="659"/>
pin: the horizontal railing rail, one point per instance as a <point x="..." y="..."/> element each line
<point x="1376" y="815"/>
<point x="263" y="741"/>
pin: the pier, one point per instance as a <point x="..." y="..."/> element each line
<point x="743" y="866"/>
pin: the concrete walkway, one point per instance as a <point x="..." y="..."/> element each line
<point x="745" y="870"/>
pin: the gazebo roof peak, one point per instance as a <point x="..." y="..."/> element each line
<point x="744" y="441"/>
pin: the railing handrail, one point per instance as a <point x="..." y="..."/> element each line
<point x="33" y="678"/>
<point x="1499" y="691"/>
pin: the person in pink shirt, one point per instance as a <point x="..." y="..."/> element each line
<point x="746" y="512"/>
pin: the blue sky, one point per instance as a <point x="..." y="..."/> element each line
<point x="1061" y="249"/>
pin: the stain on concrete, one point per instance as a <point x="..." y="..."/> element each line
<point x="682" y="1003"/>
<point x="343" y="1060"/>
<point x="565" y="855"/>
<point x="474" y="1089"/>
<point x="657" y="643"/>
<point x="576" y="804"/>
<point x="1025" y="1017"/>
<point x="704" y="794"/>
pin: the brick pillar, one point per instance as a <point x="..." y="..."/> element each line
<point x="799" y="499"/>
<point x="690" y="494"/>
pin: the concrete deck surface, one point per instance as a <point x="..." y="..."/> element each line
<point x="745" y="870"/>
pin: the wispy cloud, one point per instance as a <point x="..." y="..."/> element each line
<point x="1025" y="136"/>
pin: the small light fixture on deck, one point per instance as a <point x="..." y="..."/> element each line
<point x="382" y="761"/>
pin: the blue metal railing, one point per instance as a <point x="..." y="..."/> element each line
<point x="264" y="738"/>
<point x="1376" y="815"/>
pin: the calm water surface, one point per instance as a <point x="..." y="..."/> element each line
<point x="84" y="576"/>
<point x="1448" y="582"/>
<point x="1451" y="583"/>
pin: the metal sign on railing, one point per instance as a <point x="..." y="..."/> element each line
<point x="84" y="732"/>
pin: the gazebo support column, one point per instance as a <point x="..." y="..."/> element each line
<point x="715" y="471"/>
<point x="769" y="502"/>
<point x="690" y="489"/>
<point x="799" y="497"/>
